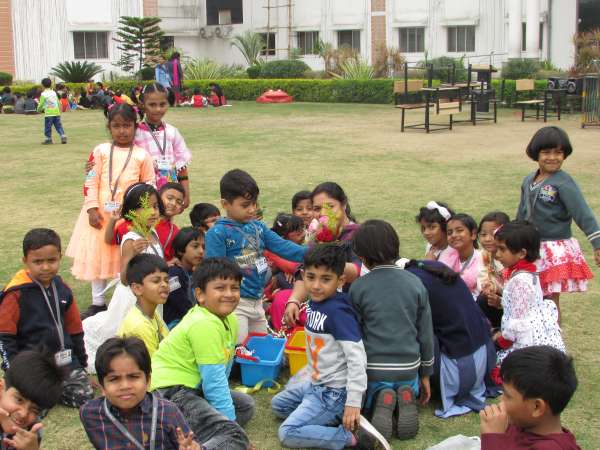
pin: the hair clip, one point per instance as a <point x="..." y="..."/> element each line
<point x="443" y="211"/>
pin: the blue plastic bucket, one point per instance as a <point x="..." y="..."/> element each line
<point x="265" y="362"/>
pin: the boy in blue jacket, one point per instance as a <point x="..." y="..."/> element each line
<point x="243" y="239"/>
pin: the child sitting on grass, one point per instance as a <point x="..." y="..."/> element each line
<point x="302" y="207"/>
<point x="204" y="215"/>
<point x="127" y="416"/>
<point x="325" y="411"/>
<point x="32" y="384"/>
<point x="395" y="317"/>
<point x="244" y="239"/>
<point x="539" y="382"/>
<point x="191" y="367"/>
<point x="188" y="246"/>
<point x="38" y="308"/>
<point x="148" y="278"/>
<point x="172" y="196"/>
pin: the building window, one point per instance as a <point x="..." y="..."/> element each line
<point x="90" y="44"/>
<point x="349" y="38"/>
<point x="412" y="40"/>
<point x="224" y="12"/>
<point x="461" y="39"/>
<point x="307" y="42"/>
<point x="269" y="48"/>
<point x="524" y="37"/>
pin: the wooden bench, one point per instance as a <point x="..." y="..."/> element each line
<point x="404" y="87"/>
<point x="528" y="86"/>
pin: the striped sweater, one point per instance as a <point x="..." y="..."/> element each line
<point x="394" y="314"/>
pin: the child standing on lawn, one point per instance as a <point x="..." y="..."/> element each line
<point x="325" y="411"/>
<point x="117" y="165"/>
<point x="528" y="318"/>
<point x="243" y="239"/>
<point x="50" y="105"/>
<point x="163" y="141"/>
<point x="38" y="309"/>
<point x="551" y="199"/>
<point x="395" y="317"/>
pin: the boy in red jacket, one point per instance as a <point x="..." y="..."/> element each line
<point x="538" y="381"/>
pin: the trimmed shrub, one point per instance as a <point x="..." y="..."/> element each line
<point x="5" y="79"/>
<point x="442" y="69"/>
<point x="253" y="72"/>
<point x="516" y="69"/>
<point x="147" y="73"/>
<point x="285" y="68"/>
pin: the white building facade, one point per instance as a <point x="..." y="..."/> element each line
<point x="47" y="32"/>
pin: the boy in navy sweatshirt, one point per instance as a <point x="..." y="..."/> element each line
<point x="38" y="308"/>
<point x="325" y="412"/>
<point x="242" y="238"/>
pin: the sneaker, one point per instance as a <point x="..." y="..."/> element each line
<point x="91" y="311"/>
<point x="368" y="437"/>
<point x="408" y="416"/>
<point x="47" y="142"/>
<point x="383" y="412"/>
<point x="63" y="140"/>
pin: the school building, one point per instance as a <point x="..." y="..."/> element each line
<point x="35" y="35"/>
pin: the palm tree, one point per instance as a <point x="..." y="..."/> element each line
<point x="250" y="45"/>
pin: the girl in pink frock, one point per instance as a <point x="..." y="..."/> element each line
<point x="117" y="165"/>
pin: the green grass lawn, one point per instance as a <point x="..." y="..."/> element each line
<point x="386" y="174"/>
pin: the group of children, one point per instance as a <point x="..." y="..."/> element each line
<point x="382" y="332"/>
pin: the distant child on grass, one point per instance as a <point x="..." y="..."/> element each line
<point x="539" y="382"/>
<point x="192" y="365"/>
<point x="433" y="219"/>
<point x="243" y="239"/>
<point x="464" y="256"/>
<point x="490" y="281"/>
<point x="127" y="416"/>
<point x="117" y="165"/>
<point x="38" y="308"/>
<point x="148" y="279"/>
<point x="528" y="318"/>
<point x="204" y="215"/>
<point x="50" y="105"/>
<point x="172" y="196"/>
<point x="188" y="247"/>
<point x="325" y="411"/>
<point x="551" y="199"/>
<point x="32" y="384"/>
<point x="302" y="207"/>
<point x="395" y="317"/>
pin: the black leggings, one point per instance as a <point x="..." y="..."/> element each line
<point x="494" y="315"/>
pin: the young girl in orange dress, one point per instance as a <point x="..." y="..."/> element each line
<point x="117" y="165"/>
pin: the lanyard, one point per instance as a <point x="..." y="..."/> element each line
<point x="464" y="265"/>
<point x="55" y="319"/>
<point x="162" y="149"/>
<point x="126" y="432"/>
<point x="169" y="236"/>
<point x="113" y="189"/>
<point x="190" y="291"/>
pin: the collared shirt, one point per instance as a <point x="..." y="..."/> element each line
<point x="104" y="435"/>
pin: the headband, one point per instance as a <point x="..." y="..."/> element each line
<point x="443" y="211"/>
<point x="133" y="189"/>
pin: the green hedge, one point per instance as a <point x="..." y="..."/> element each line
<point x="324" y="91"/>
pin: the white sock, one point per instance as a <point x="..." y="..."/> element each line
<point x="98" y="287"/>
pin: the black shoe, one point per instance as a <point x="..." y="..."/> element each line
<point x="63" y="140"/>
<point x="91" y="311"/>
<point x="47" y="142"/>
<point x="408" y="416"/>
<point x="368" y="437"/>
<point x="383" y="412"/>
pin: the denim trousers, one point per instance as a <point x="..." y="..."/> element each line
<point x="210" y="427"/>
<point x="53" y="120"/>
<point x="313" y="416"/>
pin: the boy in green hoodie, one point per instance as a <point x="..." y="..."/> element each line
<point x="50" y="106"/>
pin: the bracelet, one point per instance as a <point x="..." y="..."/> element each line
<point x="182" y="178"/>
<point x="295" y="302"/>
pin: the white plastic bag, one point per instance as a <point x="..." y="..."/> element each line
<point x="458" y="442"/>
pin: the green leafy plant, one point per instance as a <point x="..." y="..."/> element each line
<point x="285" y="68"/>
<point x="250" y="44"/>
<point x="5" y="78"/>
<point x="355" y="69"/>
<point x="146" y="74"/>
<point x="76" y="71"/>
<point x="387" y="61"/>
<point x="442" y="68"/>
<point x="139" y="217"/>
<point x="207" y="69"/>
<point x="516" y="69"/>
<point x="253" y="72"/>
<point x="139" y="42"/>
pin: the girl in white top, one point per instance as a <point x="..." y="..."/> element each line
<point x="104" y="325"/>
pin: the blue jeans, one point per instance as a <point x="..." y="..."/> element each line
<point x="373" y="387"/>
<point x="313" y="416"/>
<point x="53" y="120"/>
